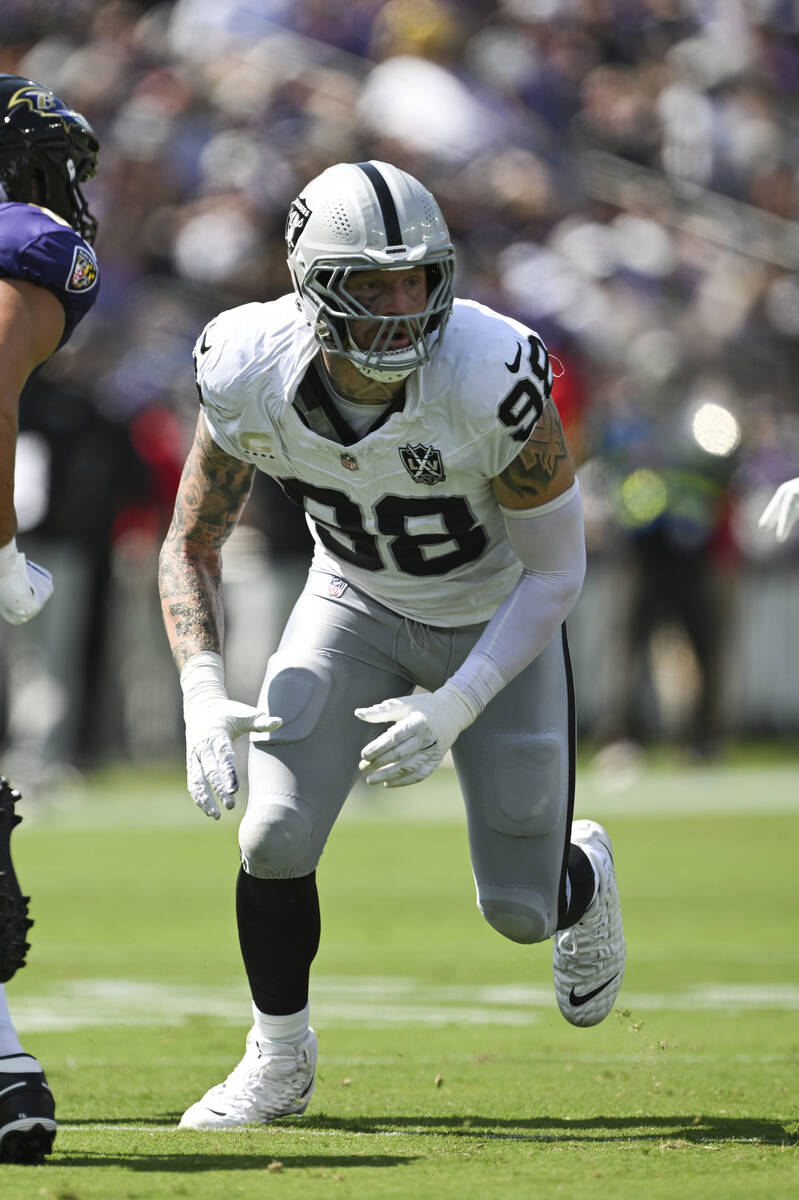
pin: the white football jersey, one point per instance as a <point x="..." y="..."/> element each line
<point x="405" y="513"/>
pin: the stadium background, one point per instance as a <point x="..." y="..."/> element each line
<point x="621" y="175"/>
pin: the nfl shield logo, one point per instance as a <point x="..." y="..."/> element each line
<point x="349" y="461"/>
<point x="423" y="463"/>
<point x="336" y="587"/>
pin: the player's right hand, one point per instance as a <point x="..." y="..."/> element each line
<point x="782" y="509"/>
<point x="211" y="728"/>
<point x="25" y="587"/>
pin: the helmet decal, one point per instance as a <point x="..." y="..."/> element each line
<point x="388" y="208"/>
<point x="37" y="98"/>
<point x="298" y="217"/>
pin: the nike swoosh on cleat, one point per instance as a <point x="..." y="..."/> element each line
<point x="514" y="366"/>
<point x="576" y="1000"/>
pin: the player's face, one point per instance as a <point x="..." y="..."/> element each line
<point x="387" y="294"/>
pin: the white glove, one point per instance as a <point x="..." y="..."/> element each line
<point x="25" y="587"/>
<point x="782" y="509"/>
<point x="213" y="722"/>
<point x="425" y="726"/>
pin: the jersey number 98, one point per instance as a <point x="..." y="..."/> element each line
<point x="422" y="553"/>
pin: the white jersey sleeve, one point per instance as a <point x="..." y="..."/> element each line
<point x="498" y="377"/>
<point x="246" y="361"/>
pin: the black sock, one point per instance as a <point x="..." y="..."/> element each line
<point x="279" y="927"/>
<point x="583" y="882"/>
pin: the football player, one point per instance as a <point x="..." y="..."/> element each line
<point x="420" y="436"/>
<point x="48" y="282"/>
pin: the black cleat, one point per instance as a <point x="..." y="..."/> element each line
<point x="14" y="919"/>
<point x="27" y="1111"/>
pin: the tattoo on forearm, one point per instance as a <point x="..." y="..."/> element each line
<point x="212" y="493"/>
<point x="191" y="605"/>
<point x="536" y="465"/>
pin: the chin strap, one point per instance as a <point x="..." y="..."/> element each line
<point x="383" y="376"/>
<point x="378" y="374"/>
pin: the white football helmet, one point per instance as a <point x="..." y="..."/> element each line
<point x="364" y="217"/>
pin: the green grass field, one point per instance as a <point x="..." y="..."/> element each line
<point x="446" y="1070"/>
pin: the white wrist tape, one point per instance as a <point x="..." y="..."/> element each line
<point x="203" y="679"/>
<point x="462" y="706"/>
<point x="8" y="557"/>
<point x="550" y="544"/>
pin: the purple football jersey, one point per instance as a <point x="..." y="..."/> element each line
<point x="37" y="247"/>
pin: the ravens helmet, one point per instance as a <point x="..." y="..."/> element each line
<point x="46" y="151"/>
<point x="364" y="217"/>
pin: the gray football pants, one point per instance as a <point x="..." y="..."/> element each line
<point x="515" y="764"/>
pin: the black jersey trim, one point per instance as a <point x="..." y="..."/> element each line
<point x="572" y="740"/>
<point x="313" y="395"/>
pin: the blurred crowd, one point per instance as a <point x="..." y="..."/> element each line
<point x="619" y="174"/>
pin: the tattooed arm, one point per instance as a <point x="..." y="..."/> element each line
<point x="213" y="491"/>
<point x="542" y="471"/>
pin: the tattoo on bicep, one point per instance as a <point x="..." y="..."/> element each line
<point x="213" y="491"/>
<point x="536" y="465"/>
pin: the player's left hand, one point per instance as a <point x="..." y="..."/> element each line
<point x="424" y="727"/>
<point x="782" y="509"/>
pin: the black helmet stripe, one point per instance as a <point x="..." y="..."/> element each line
<point x="388" y="209"/>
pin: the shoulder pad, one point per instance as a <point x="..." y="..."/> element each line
<point x="495" y="347"/>
<point x="246" y="348"/>
<point x="40" y="248"/>
<point x="501" y="373"/>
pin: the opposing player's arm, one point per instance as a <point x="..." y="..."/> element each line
<point x="212" y="493"/>
<point x="31" y="325"/>
<point x="542" y="471"/>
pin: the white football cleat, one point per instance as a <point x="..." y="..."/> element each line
<point x="261" y="1088"/>
<point x="588" y="958"/>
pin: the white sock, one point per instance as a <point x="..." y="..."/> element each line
<point x="9" y="1042"/>
<point x="291" y="1028"/>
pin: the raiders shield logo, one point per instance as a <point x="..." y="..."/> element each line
<point x="83" y="272"/>
<point x="298" y="217"/>
<point x="423" y="463"/>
